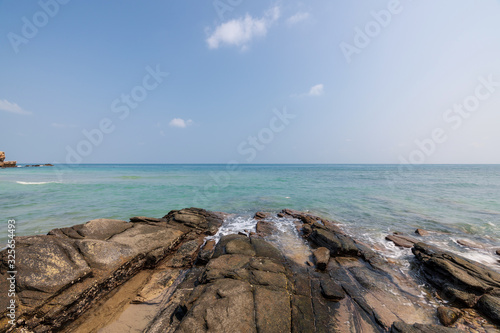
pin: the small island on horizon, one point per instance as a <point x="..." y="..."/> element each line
<point x="13" y="164"/>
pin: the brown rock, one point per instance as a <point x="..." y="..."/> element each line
<point x="265" y="228"/>
<point x="272" y="310"/>
<point x="63" y="274"/>
<point x="490" y="306"/>
<point x="261" y="215"/>
<point x="472" y="245"/>
<point x="331" y="290"/>
<point x="240" y="246"/>
<point x="196" y="218"/>
<point x="402" y="327"/>
<point x="145" y="219"/>
<point x="448" y="316"/>
<point x="206" y="252"/>
<point x="338" y="244"/>
<point x="498" y="252"/>
<point x="2" y="156"/>
<point x="9" y="164"/>
<point x="421" y="232"/>
<point x="460" y="279"/>
<point x="321" y="257"/>
<point x="302" y="314"/>
<point x="186" y="254"/>
<point x="225" y="306"/>
<point x="401" y="241"/>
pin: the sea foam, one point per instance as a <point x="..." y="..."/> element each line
<point x="36" y="183"/>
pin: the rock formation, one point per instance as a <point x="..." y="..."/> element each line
<point x="162" y="275"/>
<point x="6" y="164"/>
<point x="461" y="280"/>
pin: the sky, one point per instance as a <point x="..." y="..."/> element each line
<point x="240" y="81"/>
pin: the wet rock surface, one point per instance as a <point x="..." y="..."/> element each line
<point x="448" y="316"/>
<point x="422" y="232"/>
<point x="163" y="275"/>
<point x="402" y="240"/>
<point x="461" y="280"/>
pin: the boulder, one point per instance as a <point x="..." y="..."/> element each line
<point x="402" y="240"/>
<point x="497" y="252"/>
<point x="261" y="215"/>
<point x="338" y="244"/>
<point x="2" y="156"/>
<point x="490" y="305"/>
<point x="265" y="228"/>
<point x="196" y="218"/>
<point x="240" y="246"/>
<point x="306" y="230"/>
<point x="448" y="316"/>
<point x="470" y="244"/>
<point x="321" y="257"/>
<point x="206" y="252"/>
<point x="421" y="232"/>
<point x="331" y="290"/>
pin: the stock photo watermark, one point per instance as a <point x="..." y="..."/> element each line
<point x="11" y="273"/>
<point x="223" y="6"/>
<point x="364" y="35"/>
<point x="32" y="25"/>
<point x="248" y="150"/>
<point x="454" y="118"/>
<point x="121" y="107"/>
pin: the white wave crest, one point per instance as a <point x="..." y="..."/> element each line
<point x="36" y="183"/>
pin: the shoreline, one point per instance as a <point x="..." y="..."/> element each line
<point x="103" y="258"/>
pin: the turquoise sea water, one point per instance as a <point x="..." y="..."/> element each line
<point x="455" y="201"/>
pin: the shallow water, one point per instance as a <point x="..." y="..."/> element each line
<point x="452" y="201"/>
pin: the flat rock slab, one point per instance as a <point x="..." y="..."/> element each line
<point x="470" y="244"/>
<point x="402" y="241"/>
<point x="272" y="308"/>
<point x="62" y="274"/>
<point x="332" y="290"/>
<point x="401" y="327"/>
<point x="48" y="263"/>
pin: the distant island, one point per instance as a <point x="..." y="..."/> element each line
<point x="6" y="164"/>
<point x="13" y="164"/>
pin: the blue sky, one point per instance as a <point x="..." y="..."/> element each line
<point x="250" y="81"/>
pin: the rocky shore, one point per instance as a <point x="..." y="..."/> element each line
<point x="13" y="164"/>
<point x="6" y="164"/>
<point x="170" y="275"/>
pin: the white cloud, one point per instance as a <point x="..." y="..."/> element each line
<point x="299" y="17"/>
<point x="316" y="90"/>
<point x="5" y="105"/>
<point x="240" y="32"/>
<point x="180" y="123"/>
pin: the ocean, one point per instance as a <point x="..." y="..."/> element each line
<point x="451" y="201"/>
